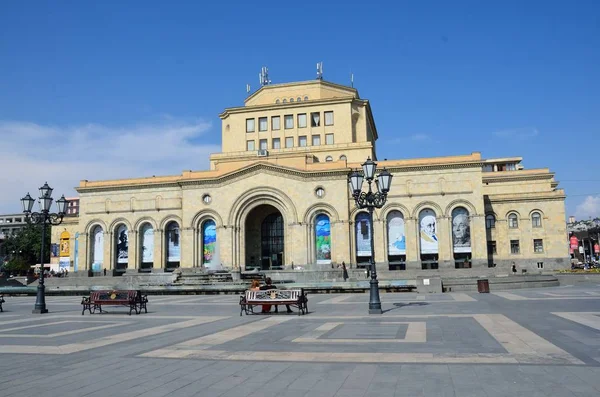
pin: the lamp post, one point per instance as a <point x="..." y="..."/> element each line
<point x="44" y="217"/>
<point x="371" y="200"/>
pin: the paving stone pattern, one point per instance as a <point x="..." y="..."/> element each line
<point x="538" y="342"/>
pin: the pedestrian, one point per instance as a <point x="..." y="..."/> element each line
<point x="105" y="271"/>
<point x="514" y="268"/>
<point x="344" y="271"/>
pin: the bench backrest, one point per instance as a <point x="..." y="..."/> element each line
<point x="274" y="294"/>
<point x="107" y="296"/>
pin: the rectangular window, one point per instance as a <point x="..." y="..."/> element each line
<point x="302" y="120"/>
<point x="262" y="123"/>
<point x="490" y="222"/>
<point x="275" y="123"/>
<point x="540" y="265"/>
<point x="492" y="248"/>
<point x="488" y="168"/>
<point x="250" y="146"/>
<point x="262" y="144"/>
<point x="514" y="246"/>
<point x="328" y="118"/>
<point x="538" y="245"/>
<point x="316" y="140"/>
<point x="329" y="139"/>
<point x="302" y="141"/>
<point x="315" y="119"/>
<point x="289" y="141"/>
<point x="276" y="143"/>
<point x="249" y="125"/>
<point x="288" y="119"/>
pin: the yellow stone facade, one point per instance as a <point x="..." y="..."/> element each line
<point x="284" y="169"/>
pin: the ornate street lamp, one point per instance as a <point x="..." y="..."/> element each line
<point x="43" y="218"/>
<point x="371" y="200"/>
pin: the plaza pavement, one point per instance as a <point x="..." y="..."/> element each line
<point x="537" y="342"/>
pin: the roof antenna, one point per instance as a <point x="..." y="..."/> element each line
<point x="263" y="76"/>
<point x="351" y="79"/>
<point x="247" y="88"/>
<point x="319" y="70"/>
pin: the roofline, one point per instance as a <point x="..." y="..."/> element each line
<point x="334" y="85"/>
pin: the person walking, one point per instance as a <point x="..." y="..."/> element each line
<point x="344" y="271"/>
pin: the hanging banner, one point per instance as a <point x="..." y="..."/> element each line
<point x="122" y="245"/>
<point x="428" y="225"/>
<point x="64" y="263"/>
<point x="596" y="248"/>
<point x="98" y="249"/>
<point x="174" y="253"/>
<point x="461" y="230"/>
<point x="147" y="244"/>
<point x="209" y="243"/>
<point x="323" y="239"/>
<point x="574" y="243"/>
<point x="65" y="244"/>
<point x="76" y="259"/>
<point x="54" y="250"/>
<point x="396" y="234"/>
<point x="363" y="235"/>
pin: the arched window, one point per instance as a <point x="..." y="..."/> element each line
<point x="428" y="239"/>
<point x="328" y="158"/>
<point x="363" y="238"/>
<point x="343" y="157"/>
<point x="122" y="247"/>
<point x="147" y="246"/>
<point x="97" y="249"/>
<point x="291" y="100"/>
<point x="299" y="99"/>
<point x="285" y="101"/>
<point x="272" y="240"/>
<point x="536" y="219"/>
<point x="306" y="98"/>
<point x="210" y="254"/>
<point x="490" y="221"/>
<point x="277" y="101"/>
<point x="513" y="221"/>
<point x="396" y="234"/>
<point x="323" y="239"/>
<point x="173" y="242"/>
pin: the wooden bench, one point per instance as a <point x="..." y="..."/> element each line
<point x="291" y="297"/>
<point x="128" y="298"/>
<point x="1" y="302"/>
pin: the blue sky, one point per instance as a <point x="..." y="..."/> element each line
<point x="121" y="90"/>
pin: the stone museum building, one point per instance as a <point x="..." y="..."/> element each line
<point x="277" y="197"/>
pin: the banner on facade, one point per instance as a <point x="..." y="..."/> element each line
<point x="98" y="249"/>
<point x="574" y="242"/>
<point x="147" y="244"/>
<point x="396" y="234"/>
<point x="209" y="245"/>
<point x="363" y="235"/>
<point x="597" y="248"/>
<point x="54" y="250"/>
<point x="461" y="231"/>
<point x="64" y="263"/>
<point x="174" y="252"/>
<point x="428" y="232"/>
<point x="323" y="239"/>
<point x="122" y="245"/>
<point x="65" y="244"/>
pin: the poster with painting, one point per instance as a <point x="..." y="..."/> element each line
<point x="209" y="243"/>
<point x="323" y="239"/>
<point x="396" y="234"/>
<point x="98" y="248"/>
<point x="173" y="240"/>
<point x="428" y="232"/>
<point x="147" y="244"/>
<point x="363" y="235"/>
<point x="122" y="244"/>
<point x="461" y="230"/>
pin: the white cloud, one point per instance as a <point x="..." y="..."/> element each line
<point x="420" y="137"/>
<point x="32" y="154"/>
<point x="590" y="207"/>
<point x="521" y="133"/>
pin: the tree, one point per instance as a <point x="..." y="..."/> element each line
<point x="24" y="248"/>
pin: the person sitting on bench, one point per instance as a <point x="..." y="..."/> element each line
<point x="269" y="285"/>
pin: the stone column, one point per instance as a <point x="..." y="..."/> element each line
<point x="187" y="247"/>
<point x="444" y="234"/>
<point x="109" y="258"/>
<point x="379" y="236"/>
<point x="413" y="255"/>
<point x="83" y="254"/>
<point x="478" y="245"/>
<point x="159" y="244"/>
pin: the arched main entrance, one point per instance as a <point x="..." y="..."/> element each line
<point x="264" y="238"/>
